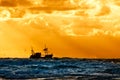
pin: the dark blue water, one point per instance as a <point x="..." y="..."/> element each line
<point x="58" y="68"/>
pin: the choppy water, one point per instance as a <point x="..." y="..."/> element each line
<point x="59" y="69"/>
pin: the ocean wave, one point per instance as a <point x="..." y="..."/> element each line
<point x="41" y="68"/>
<point x="65" y="66"/>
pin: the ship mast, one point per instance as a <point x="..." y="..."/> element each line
<point x="32" y="51"/>
<point x="45" y="50"/>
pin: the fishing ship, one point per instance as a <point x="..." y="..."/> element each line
<point x="37" y="55"/>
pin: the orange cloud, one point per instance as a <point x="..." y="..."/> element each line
<point x="8" y="3"/>
<point x="73" y="28"/>
<point x="105" y="10"/>
<point x="11" y="3"/>
<point x="117" y="2"/>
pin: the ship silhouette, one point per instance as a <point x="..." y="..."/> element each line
<point x="37" y="55"/>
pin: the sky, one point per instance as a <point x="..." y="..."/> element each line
<point x="69" y="28"/>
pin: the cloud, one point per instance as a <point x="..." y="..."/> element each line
<point x="54" y="2"/>
<point x="96" y="25"/>
<point x="11" y="3"/>
<point x="8" y="3"/>
<point x="18" y="8"/>
<point x="50" y="9"/>
<point x="9" y="13"/>
<point x="105" y="10"/>
<point x="84" y="24"/>
<point x="116" y="2"/>
<point x="39" y="4"/>
<point x="17" y="12"/>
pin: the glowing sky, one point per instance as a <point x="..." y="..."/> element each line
<point x="70" y="28"/>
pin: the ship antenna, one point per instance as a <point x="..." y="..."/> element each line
<point x="32" y="51"/>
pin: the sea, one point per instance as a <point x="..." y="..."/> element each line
<point x="59" y="69"/>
